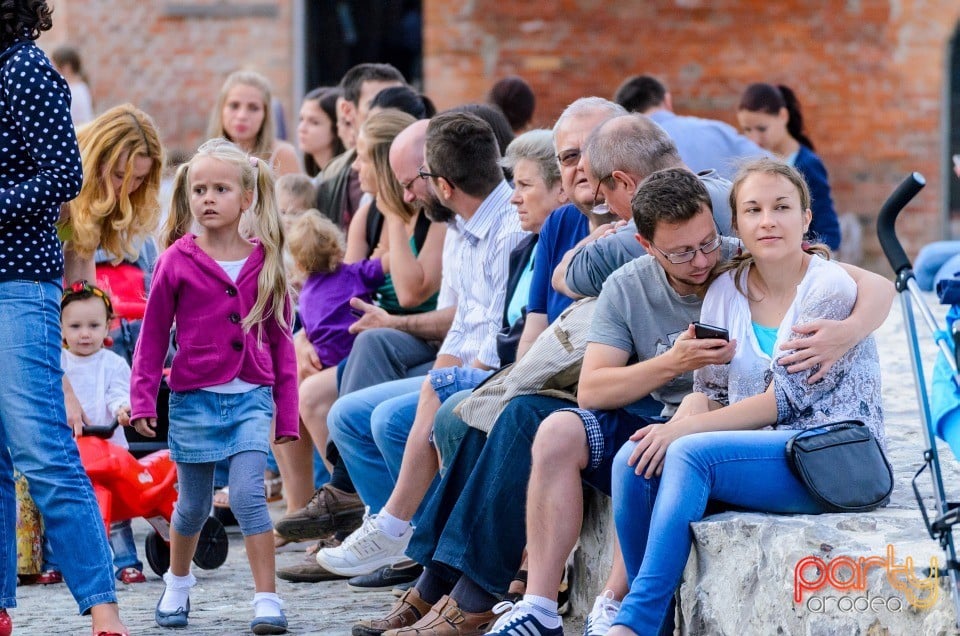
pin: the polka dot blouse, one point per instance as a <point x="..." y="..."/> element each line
<point x="39" y="163"/>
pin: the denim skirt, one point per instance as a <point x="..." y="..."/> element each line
<point x="207" y="426"/>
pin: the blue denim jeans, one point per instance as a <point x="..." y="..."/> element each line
<point x="369" y="427"/>
<point x="124" y="547"/>
<point x="935" y="261"/>
<point x="745" y="469"/>
<point x="474" y="523"/>
<point x="449" y="429"/>
<point x="34" y="437"/>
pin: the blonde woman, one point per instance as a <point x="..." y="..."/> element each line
<point x="243" y="115"/>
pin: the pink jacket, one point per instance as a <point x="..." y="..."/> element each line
<point x="212" y="348"/>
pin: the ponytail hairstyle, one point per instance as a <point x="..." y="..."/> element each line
<point x="253" y="175"/>
<point x="380" y="129"/>
<point x="741" y="263"/>
<point x="99" y="216"/>
<point x="767" y="98"/>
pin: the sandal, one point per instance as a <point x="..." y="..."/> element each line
<point x="273" y="485"/>
<point x="221" y="498"/>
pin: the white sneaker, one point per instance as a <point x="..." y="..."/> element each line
<point x="600" y="619"/>
<point x="365" y="551"/>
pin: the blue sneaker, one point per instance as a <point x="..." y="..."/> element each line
<point x="518" y="620"/>
<point x="269" y="624"/>
<point x="176" y="619"/>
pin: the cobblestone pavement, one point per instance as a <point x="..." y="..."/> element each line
<point x="220" y="601"/>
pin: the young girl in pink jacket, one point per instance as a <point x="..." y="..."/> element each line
<point x="234" y="368"/>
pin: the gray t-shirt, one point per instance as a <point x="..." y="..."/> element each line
<point x="595" y="261"/>
<point x="640" y="313"/>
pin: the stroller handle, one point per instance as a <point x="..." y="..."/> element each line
<point x="887" y="220"/>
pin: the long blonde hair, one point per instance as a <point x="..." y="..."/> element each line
<point x="380" y="129"/>
<point x="266" y="137"/>
<point x="98" y="216"/>
<point x="742" y="262"/>
<point x="254" y="175"/>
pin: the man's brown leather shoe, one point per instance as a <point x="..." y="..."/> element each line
<point x="407" y="611"/>
<point x="329" y="510"/>
<point x="447" y="619"/>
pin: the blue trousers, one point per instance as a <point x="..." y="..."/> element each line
<point x="369" y="428"/>
<point x="35" y="437"/>
<point x="474" y="523"/>
<point x="746" y="469"/>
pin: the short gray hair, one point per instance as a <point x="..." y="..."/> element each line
<point x="586" y="106"/>
<point x="632" y="143"/>
<point x="536" y="146"/>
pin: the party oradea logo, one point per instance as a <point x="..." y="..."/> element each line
<point x="840" y="584"/>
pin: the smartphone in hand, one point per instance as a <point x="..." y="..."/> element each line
<point x="703" y="331"/>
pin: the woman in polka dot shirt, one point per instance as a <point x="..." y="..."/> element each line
<point x="40" y="170"/>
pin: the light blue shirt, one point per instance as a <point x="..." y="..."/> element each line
<point x="707" y="143"/>
<point x="522" y="290"/>
<point x="766" y="337"/>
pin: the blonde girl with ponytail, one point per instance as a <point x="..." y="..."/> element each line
<point x="234" y="370"/>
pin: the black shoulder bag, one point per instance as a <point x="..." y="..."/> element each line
<point x="842" y="466"/>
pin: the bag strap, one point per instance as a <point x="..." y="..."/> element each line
<point x="823" y="427"/>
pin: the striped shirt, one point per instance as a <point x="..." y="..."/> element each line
<point x="478" y="277"/>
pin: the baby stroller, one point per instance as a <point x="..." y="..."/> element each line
<point x="126" y="487"/>
<point x="946" y="514"/>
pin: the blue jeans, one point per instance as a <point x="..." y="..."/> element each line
<point x="746" y="469"/>
<point x="474" y="523"/>
<point x="449" y="429"/>
<point x="35" y="437"/>
<point x="370" y="427"/>
<point x="124" y="547"/>
<point x="935" y="261"/>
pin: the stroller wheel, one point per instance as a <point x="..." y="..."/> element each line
<point x="212" y="546"/>
<point x="158" y="553"/>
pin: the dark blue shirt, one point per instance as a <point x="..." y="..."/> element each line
<point x="39" y="163"/>
<point x="564" y="228"/>
<point x="825" y="227"/>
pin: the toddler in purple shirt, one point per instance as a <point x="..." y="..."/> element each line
<point x="317" y="247"/>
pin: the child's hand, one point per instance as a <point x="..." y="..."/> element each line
<point x="146" y="426"/>
<point x="123" y="415"/>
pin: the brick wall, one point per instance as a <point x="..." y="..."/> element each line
<point x="870" y="74"/>
<point x="170" y="59"/>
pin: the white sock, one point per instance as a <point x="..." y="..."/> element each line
<point x="266" y="604"/>
<point x="544" y="609"/>
<point x="391" y="525"/>
<point x="177" y="591"/>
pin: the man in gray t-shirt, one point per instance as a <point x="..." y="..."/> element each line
<point x="641" y="314"/>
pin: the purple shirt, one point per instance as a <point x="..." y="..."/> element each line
<point x="325" y="310"/>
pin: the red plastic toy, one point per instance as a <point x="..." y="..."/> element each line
<point x="127" y="488"/>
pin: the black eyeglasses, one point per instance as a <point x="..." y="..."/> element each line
<point x="679" y="258"/>
<point x="600" y="207"/>
<point x="569" y="157"/>
<point x="409" y="184"/>
<point x="427" y="175"/>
